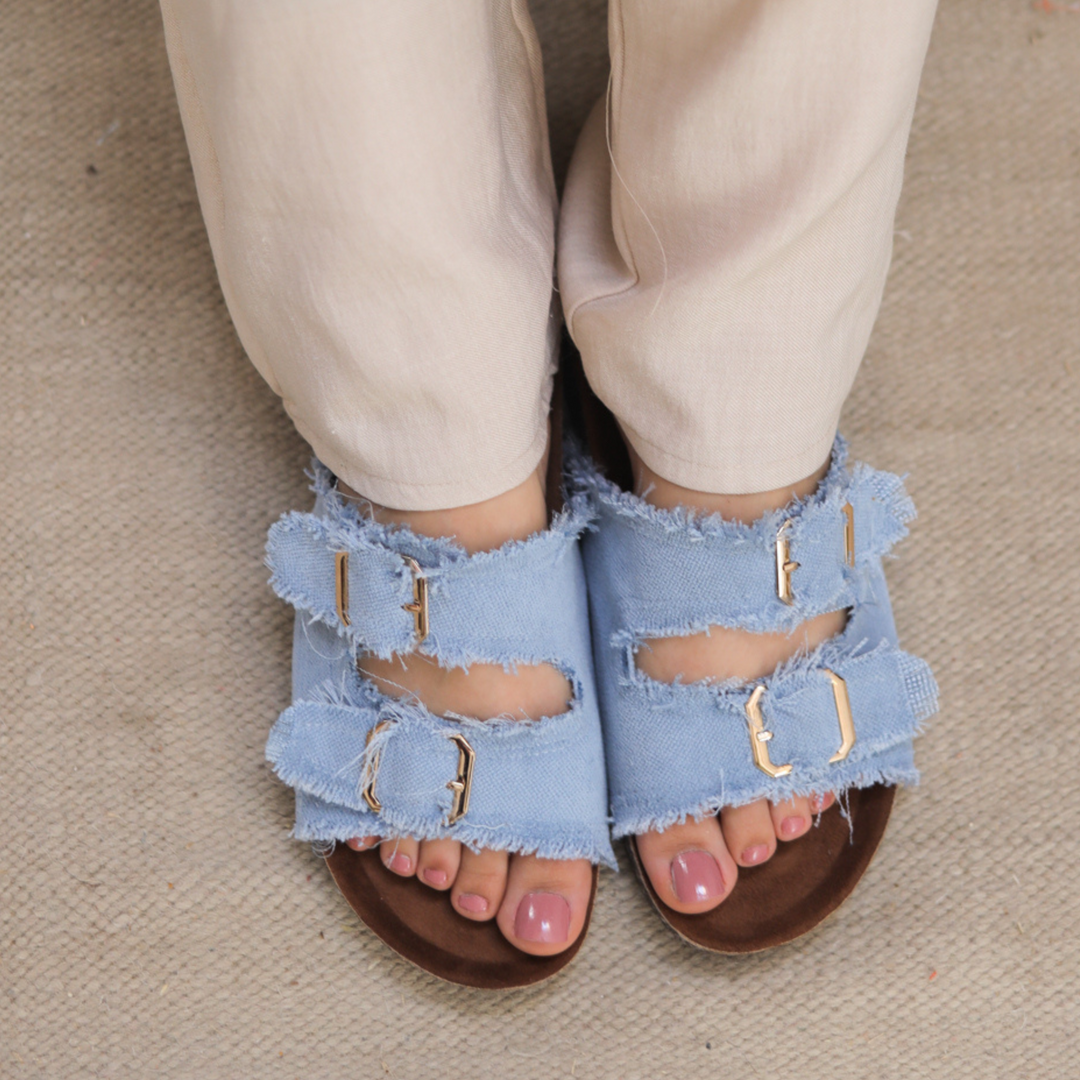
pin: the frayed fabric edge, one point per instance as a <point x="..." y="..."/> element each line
<point x="652" y="822"/>
<point x="585" y="478"/>
<point x="345" y="523"/>
<point x="474" y="838"/>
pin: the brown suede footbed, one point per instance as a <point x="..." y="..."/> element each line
<point x="421" y="925"/>
<point x="800" y="886"/>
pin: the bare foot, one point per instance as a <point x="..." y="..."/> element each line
<point x="539" y="904"/>
<point x="694" y="866"/>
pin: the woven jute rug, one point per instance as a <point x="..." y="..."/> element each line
<point x="156" y="919"/>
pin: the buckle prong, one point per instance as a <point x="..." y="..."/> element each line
<point x="784" y="565"/>
<point x="419" y="606"/>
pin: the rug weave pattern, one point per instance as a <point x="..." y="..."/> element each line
<point x="154" y="918"/>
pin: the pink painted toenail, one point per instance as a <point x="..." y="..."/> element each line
<point x="695" y="876"/>
<point x="757" y="853"/>
<point x="400" y="864"/>
<point x="543" y="917"/>
<point x="435" y="877"/>
<point x="473" y="904"/>
<point x="792" y="826"/>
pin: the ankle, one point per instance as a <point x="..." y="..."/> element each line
<point x="514" y="515"/>
<point x="666" y="495"/>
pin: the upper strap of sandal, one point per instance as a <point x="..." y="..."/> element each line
<point x="384" y="767"/>
<point x="390" y="590"/>
<point x="844" y="717"/>
<point x="660" y="571"/>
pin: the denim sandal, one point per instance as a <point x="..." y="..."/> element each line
<point x="365" y="764"/>
<point x="840" y="720"/>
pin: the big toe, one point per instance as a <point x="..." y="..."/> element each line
<point x="689" y="865"/>
<point x="546" y="903"/>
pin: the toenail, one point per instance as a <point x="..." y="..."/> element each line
<point x="543" y="917"/>
<point x="792" y="826"/>
<point x="435" y="877"/>
<point x="400" y="864"/>
<point x="757" y="853"/>
<point x="473" y="904"/>
<point x="695" y="876"/>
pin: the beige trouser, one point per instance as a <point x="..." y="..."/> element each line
<point x="377" y="187"/>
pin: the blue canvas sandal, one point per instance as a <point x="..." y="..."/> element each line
<point x="840" y="720"/>
<point x="363" y="763"/>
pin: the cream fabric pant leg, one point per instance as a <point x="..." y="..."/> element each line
<point x="377" y="191"/>
<point x="376" y="183"/>
<point x="727" y="225"/>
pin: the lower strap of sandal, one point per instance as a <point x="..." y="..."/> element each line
<point x="840" y="719"/>
<point x="390" y="769"/>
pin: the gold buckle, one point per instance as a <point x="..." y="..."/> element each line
<point x="843" y="714"/>
<point x="419" y="606"/>
<point x="759" y="736"/>
<point x="368" y="790"/>
<point x="341" y="585"/>
<point x="849" y="534"/>
<point x="461" y="785"/>
<point x="784" y="566"/>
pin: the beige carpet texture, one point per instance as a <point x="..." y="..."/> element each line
<point x="155" y="918"/>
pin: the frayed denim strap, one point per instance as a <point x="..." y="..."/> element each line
<point x="678" y="751"/>
<point x="534" y="786"/>
<point x="479" y="608"/>
<point x="671" y="570"/>
<point x="701" y="735"/>
<point x="323" y="750"/>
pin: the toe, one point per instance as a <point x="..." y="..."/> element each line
<point x="437" y="863"/>
<point x="820" y="803"/>
<point x="362" y="843"/>
<point x="546" y="901"/>
<point x="748" y="832"/>
<point x="399" y="855"/>
<point x="689" y="865"/>
<point x="791" y="819"/>
<point x="480" y="884"/>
